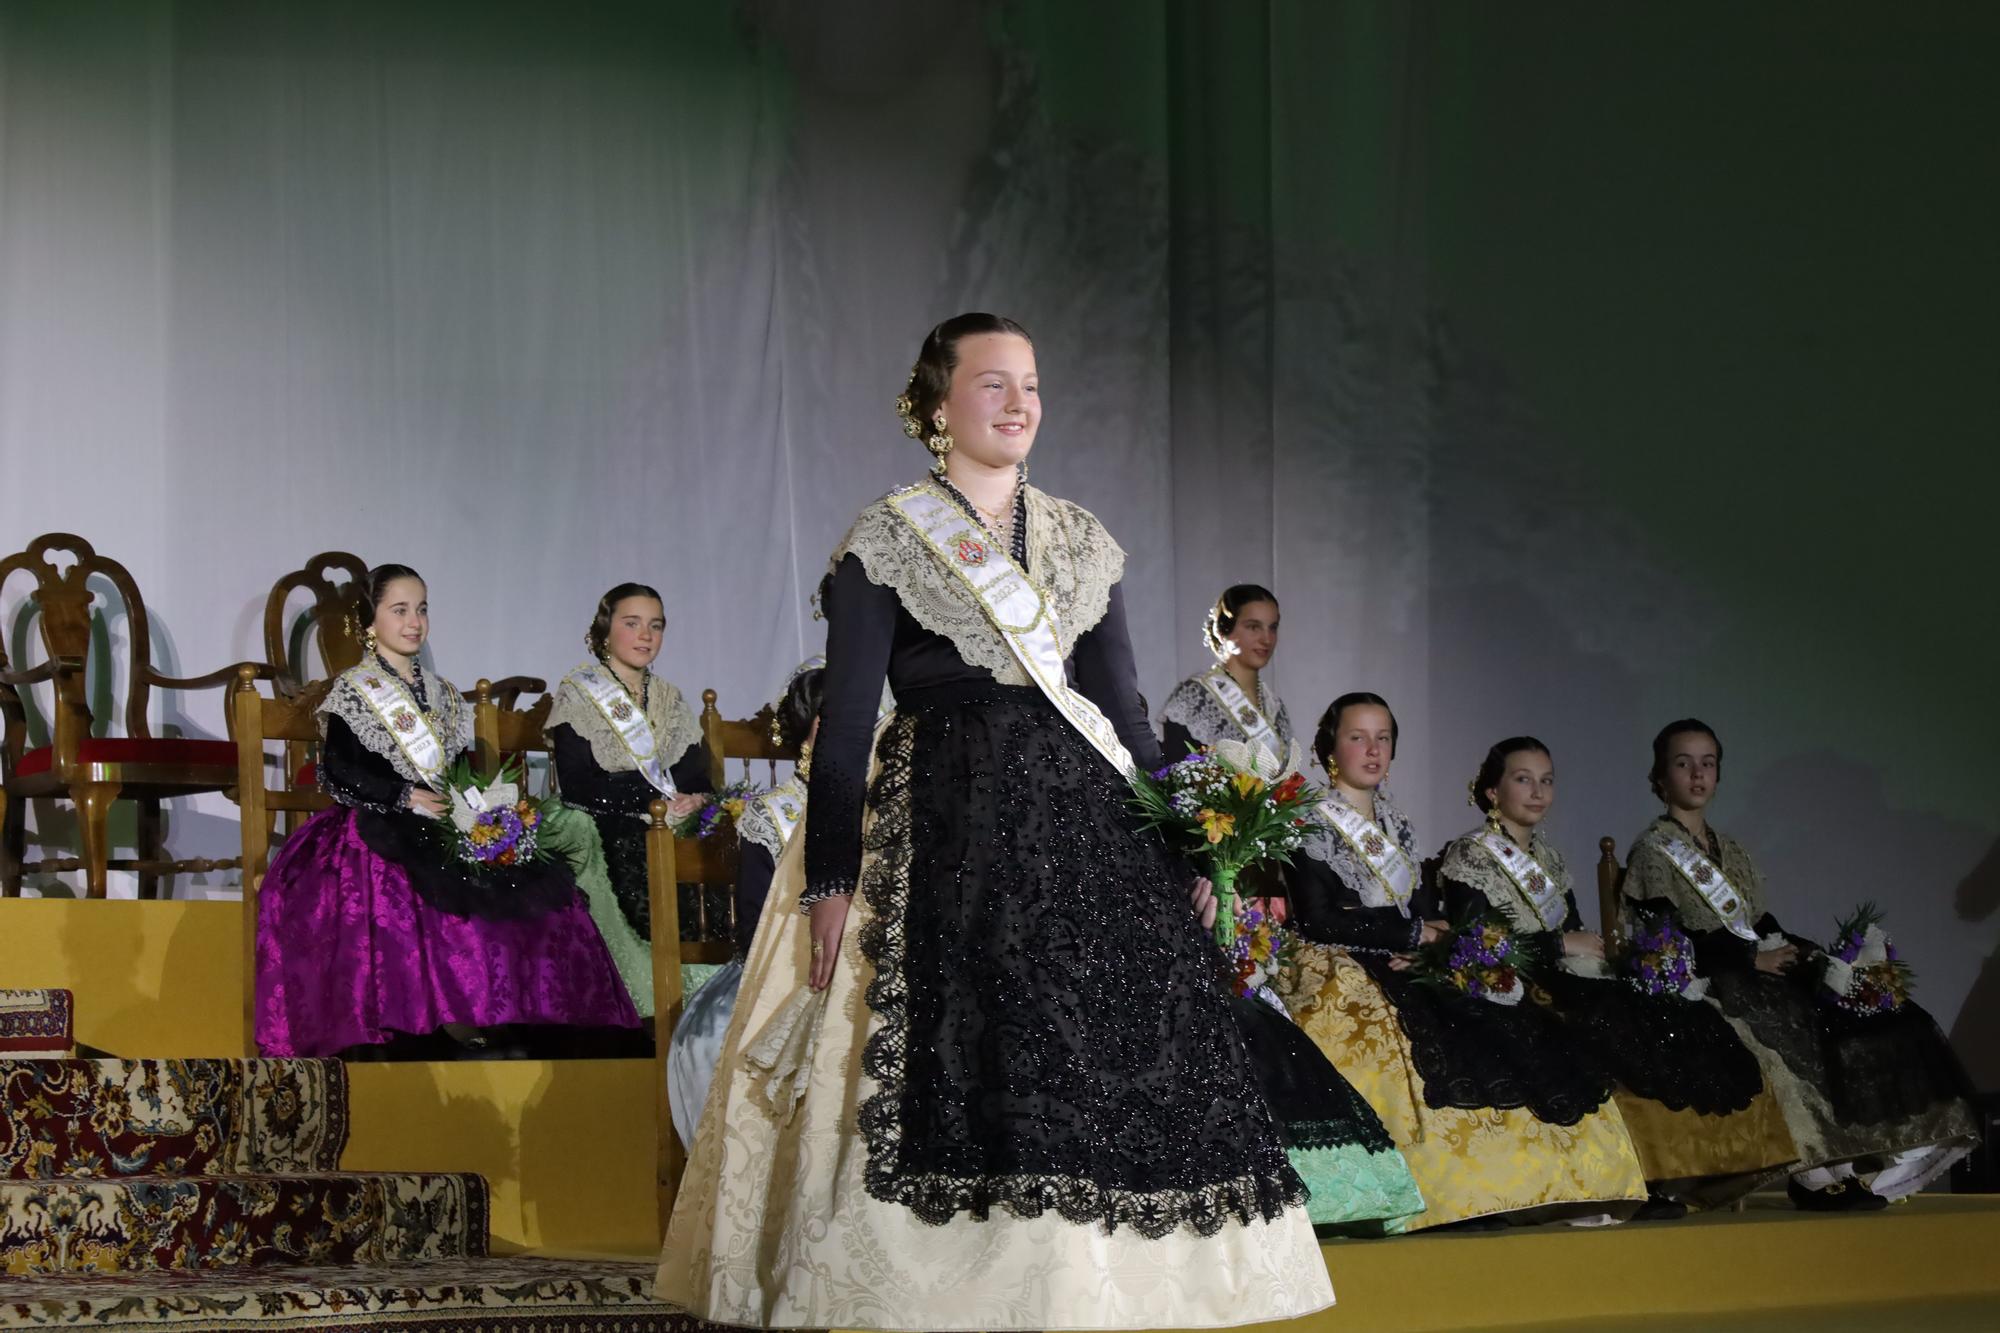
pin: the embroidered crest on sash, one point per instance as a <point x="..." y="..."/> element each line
<point x="1015" y="605"/>
<point x="1392" y="874"/>
<point x="631" y="726"/>
<point x="1544" y="892"/>
<point x="1707" y="879"/>
<point x="397" y="709"/>
<point x="1237" y="705"/>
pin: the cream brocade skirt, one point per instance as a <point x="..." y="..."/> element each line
<point x="774" y="1226"/>
<point x="1467" y="1163"/>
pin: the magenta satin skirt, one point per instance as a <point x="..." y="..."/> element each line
<point x="349" y="955"/>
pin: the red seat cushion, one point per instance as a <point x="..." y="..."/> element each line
<point x="306" y="778"/>
<point x="172" y="752"/>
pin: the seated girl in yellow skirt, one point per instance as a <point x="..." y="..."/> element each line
<point x="1493" y="1107"/>
<point x="1693" y="1097"/>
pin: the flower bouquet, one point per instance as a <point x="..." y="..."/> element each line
<point x="721" y="810"/>
<point x="1257" y="950"/>
<point x="1215" y="805"/>
<point x="1863" y="971"/>
<point x="1659" y="959"/>
<point x="492" y="824"/>
<point x="1480" y="956"/>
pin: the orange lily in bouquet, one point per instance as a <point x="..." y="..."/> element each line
<point x="1225" y="807"/>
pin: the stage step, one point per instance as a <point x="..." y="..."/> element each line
<point x="498" y="1295"/>
<point x="37" y="1023"/>
<point x="132" y="1224"/>
<point x="189" y="1117"/>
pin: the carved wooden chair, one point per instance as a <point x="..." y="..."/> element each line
<point x="500" y="731"/>
<point x="338" y="583"/>
<point x="256" y="721"/>
<point x="88" y="770"/>
<point x="747" y="739"/>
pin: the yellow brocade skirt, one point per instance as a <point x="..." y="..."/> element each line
<point x="774" y="1225"/>
<point x="1467" y="1163"/>
<point x="1708" y="1160"/>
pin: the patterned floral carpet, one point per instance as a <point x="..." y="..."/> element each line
<point x="502" y="1295"/>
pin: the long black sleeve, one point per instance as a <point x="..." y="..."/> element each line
<point x="1325" y="910"/>
<point x="753" y="885"/>
<point x="356" y="777"/>
<point x="691" y="772"/>
<point x="1106" y="675"/>
<point x="1177" y="741"/>
<point x="589" y="786"/>
<point x="860" y="632"/>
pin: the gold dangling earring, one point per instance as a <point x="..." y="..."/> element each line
<point x="777" y="732"/>
<point x="1333" y="772"/>
<point x="940" y="442"/>
<point x="1493" y="820"/>
<point x="803" y="768"/>
<point x="368" y="640"/>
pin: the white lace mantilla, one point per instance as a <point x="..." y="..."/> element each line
<point x="450" y="719"/>
<point x="1329" y="848"/>
<point x="1472" y="865"/>
<point x="1193" y="706"/>
<point x="675" y="727"/>
<point x="1070" y="556"/>
<point x="1650" y="874"/>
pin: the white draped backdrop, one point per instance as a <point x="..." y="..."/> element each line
<point x="539" y="299"/>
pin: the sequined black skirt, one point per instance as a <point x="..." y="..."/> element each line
<point x="1054" y="1031"/>
<point x="1474" y="1055"/>
<point x="1680" y="1053"/>
<point x="1871" y="1069"/>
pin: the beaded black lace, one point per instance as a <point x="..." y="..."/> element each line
<point x="1053" y="1032"/>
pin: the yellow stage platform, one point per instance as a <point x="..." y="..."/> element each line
<point x="567" y="1147"/>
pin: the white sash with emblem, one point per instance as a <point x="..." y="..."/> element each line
<point x="784" y="805"/>
<point x="1543" y="891"/>
<point x="1014" y="604"/>
<point x="1250" y="719"/>
<point x="392" y="702"/>
<point x="1393" y="872"/>
<point x="629" y="721"/>
<point x="1707" y="879"/>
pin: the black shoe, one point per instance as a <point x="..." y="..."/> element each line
<point x="1659" y="1208"/>
<point x="1846" y="1195"/>
<point x="1861" y="1199"/>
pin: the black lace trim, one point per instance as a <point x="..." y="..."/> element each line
<point x="937" y="1199"/>
<point x="1472" y="1055"/>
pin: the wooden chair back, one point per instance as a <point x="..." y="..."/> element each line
<point x="257" y="720"/>
<point x="62" y="600"/>
<point x="502" y="732"/>
<point x="338" y="582"/>
<point x="670" y="862"/>
<point x="144" y="769"/>
<point x="746" y="739"/>
<point x="1610" y="879"/>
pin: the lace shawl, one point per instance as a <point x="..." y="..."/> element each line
<point x="1649" y="874"/>
<point x="448" y="716"/>
<point x="674" y="725"/>
<point x="756" y="824"/>
<point x="1193" y="706"/>
<point x="1466" y="861"/>
<point x="1070" y="556"/>
<point x="1328" y="847"/>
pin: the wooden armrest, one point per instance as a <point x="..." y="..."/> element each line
<point x="508" y="691"/>
<point x="234" y="671"/>
<point x="49" y="670"/>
